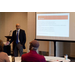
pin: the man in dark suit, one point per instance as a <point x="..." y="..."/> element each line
<point x="19" y="40"/>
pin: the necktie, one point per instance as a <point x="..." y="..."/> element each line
<point x="17" y="38"/>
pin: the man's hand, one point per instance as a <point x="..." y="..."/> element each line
<point x="7" y="43"/>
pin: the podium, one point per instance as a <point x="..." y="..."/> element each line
<point x="8" y="37"/>
<point x="7" y="48"/>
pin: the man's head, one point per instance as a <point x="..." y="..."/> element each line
<point x="17" y="26"/>
<point x="34" y="45"/>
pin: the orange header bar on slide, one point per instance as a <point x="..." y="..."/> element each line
<point x="52" y="17"/>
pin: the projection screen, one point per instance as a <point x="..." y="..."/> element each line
<point x="55" y="26"/>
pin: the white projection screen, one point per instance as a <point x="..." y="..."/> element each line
<point x="58" y="26"/>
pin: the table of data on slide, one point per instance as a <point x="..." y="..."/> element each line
<point x="53" y="25"/>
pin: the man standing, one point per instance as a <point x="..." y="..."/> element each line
<point x="19" y="40"/>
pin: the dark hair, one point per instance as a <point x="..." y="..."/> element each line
<point x="1" y="45"/>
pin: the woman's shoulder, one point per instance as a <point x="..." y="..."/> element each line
<point x="4" y="57"/>
<point x="3" y="53"/>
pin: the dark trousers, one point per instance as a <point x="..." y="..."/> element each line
<point x="18" y="47"/>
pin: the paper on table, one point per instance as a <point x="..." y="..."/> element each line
<point x="55" y="60"/>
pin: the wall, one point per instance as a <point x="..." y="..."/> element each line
<point x="2" y="25"/>
<point x="59" y="49"/>
<point x="72" y="50"/>
<point x="30" y="28"/>
<point x="8" y="22"/>
<point x="67" y="48"/>
<point x="44" y="45"/>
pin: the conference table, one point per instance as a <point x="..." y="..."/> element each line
<point x="56" y="59"/>
<point x="48" y="59"/>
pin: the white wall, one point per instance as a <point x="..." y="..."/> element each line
<point x="59" y="49"/>
<point x="51" y="48"/>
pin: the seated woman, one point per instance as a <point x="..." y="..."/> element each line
<point x="3" y="56"/>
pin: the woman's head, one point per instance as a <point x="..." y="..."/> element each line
<point x="1" y="45"/>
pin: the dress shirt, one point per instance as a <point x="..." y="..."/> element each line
<point x="18" y="34"/>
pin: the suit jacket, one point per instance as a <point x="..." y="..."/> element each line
<point x="22" y="38"/>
